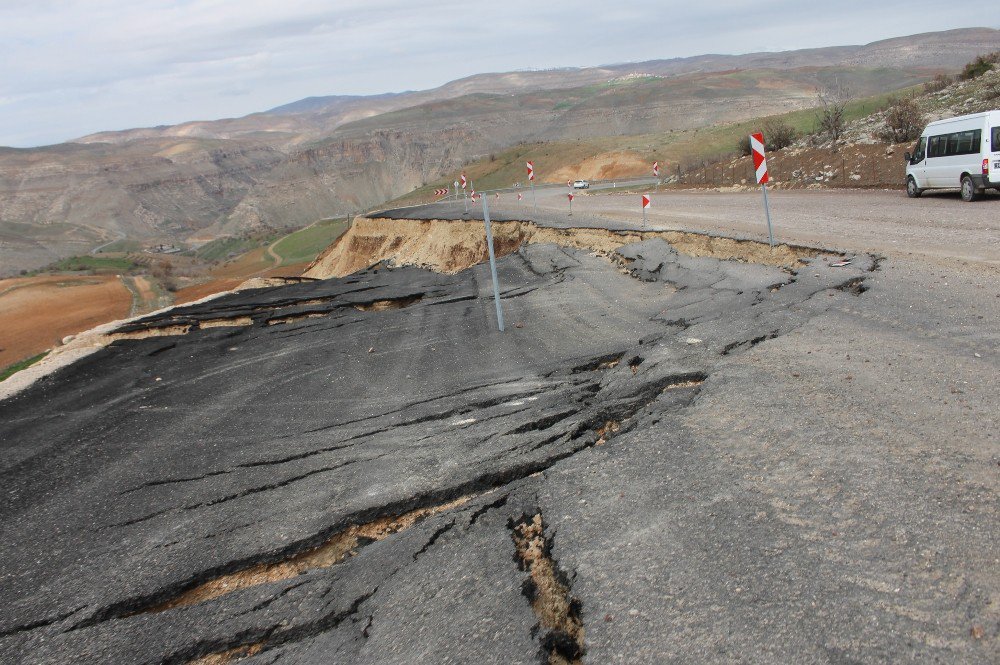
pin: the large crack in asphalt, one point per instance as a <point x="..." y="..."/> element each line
<point x="548" y="590"/>
<point x="246" y="495"/>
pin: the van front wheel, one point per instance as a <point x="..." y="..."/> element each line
<point x="911" y="188"/>
<point x="968" y="189"/>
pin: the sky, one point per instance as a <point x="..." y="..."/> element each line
<point x="73" y="67"/>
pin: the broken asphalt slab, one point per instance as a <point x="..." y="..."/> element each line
<point x="345" y="470"/>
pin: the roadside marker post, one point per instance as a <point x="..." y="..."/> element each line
<point x="464" y="183"/>
<point x="493" y="261"/>
<point x="570" y="196"/>
<point x="531" y="179"/>
<point x="760" y="167"/>
<point x="456" y="190"/>
<point x="646" y="202"/>
<point x="656" y="169"/>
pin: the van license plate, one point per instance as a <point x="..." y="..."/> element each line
<point x="996" y="165"/>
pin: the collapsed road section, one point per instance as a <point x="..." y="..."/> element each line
<point x="362" y="470"/>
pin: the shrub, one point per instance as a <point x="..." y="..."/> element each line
<point x="831" y="120"/>
<point x="980" y="66"/>
<point x="743" y="146"/>
<point x="777" y="134"/>
<point x="903" y="121"/>
<point x="938" y="83"/>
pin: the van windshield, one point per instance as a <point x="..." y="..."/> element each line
<point x="996" y="139"/>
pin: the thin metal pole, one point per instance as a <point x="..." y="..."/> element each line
<point x="767" y="211"/>
<point x="534" y="200"/>
<point x="493" y="262"/>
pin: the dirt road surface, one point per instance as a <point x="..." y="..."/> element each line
<point x="663" y="459"/>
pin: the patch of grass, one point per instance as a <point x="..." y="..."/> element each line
<point x="305" y="244"/>
<point x="10" y="370"/>
<point x="226" y="248"/>
<point x="99" y="263"/>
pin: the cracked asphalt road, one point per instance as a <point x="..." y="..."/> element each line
<point x="732" y="462"/>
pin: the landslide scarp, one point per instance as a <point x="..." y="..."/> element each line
<point x="451" y="246"/>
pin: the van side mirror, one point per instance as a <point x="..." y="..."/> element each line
<point x="908" y="157"/>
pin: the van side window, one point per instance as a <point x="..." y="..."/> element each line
<point x="996" y="139"/>
<point x="964" y="143"/>
<point x="937" y="145"/>
<point x="920" y="151"/>
<point x="956" y="143"/>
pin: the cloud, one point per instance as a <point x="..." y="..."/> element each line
<point x="77" y="66"/>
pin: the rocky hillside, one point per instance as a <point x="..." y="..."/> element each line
<point x="863" y="156"/>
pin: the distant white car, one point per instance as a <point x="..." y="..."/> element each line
<point x="581" y="184"/>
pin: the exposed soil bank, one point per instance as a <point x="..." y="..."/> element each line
<point x="452" y="246"/>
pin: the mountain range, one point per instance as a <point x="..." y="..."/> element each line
<point x="326" y="156"/>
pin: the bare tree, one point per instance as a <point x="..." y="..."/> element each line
<point x="832" y="116"/>
<point x="163" y="271"/>
<point x="903" y="121"/>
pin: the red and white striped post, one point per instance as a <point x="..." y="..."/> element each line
<point x="646" y="202"/>
<point x="464" y="183"/>
<point x="531" y="179"/>
<point x="656" y="169"/>
<point x="760" y="167"/>
<point x="570" y="197"/>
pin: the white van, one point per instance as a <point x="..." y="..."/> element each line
<point x="957" y="152"/>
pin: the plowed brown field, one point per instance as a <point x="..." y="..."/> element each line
<point x="37" y="312"/>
